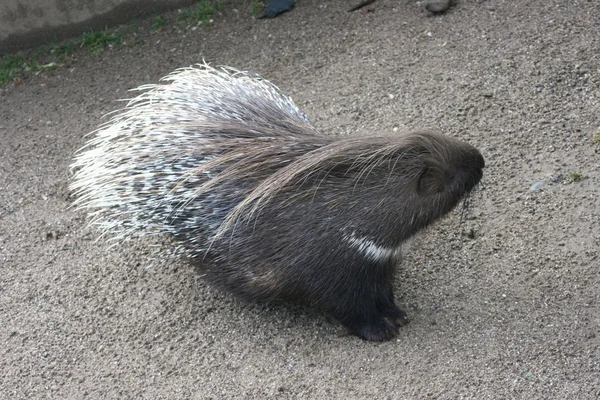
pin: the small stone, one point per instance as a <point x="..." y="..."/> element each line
<point x="52" y="235"/>
<point x="438" y="6"/>
<point x="536" y="186"/>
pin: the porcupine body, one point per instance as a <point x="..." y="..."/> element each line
<point x="264" y="204"/>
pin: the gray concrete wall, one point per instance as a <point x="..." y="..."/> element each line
<point x="28" y="23"/>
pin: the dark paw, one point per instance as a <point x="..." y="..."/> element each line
<point x="377" y="332"/>
<point x="397" y="317"/>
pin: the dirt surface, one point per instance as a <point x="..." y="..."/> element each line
<point x="503" y="304"/>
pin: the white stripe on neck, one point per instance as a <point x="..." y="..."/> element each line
<point x="371" y="250"/>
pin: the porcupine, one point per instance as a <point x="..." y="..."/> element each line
<point x="266" y="206"/>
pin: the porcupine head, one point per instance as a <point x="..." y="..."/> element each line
<point x="266" y="206"/>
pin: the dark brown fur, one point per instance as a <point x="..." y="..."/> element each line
<point x="297" y="233"/>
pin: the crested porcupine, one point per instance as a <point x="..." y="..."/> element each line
<point x="263" y="203"/>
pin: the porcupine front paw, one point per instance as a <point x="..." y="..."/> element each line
<point x="370" y="324"/>
<point x="376" y="331"/>
<point x="395" y="316"/>
<point x="385" y="328"/>
<point x="377" y="325"/>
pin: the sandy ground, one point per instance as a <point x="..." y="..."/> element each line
<point x="512" y="313"/>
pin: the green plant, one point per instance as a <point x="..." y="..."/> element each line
<point x="200" y="12"/>
<point x="596" y="137"/>
<point x="575" y="176"/>
<point x="54" y="55"/>
<point x="158" y="23"/>
<point x="96" y="41"/>
<point x="256" y="6"/>
<point x="42" y="58"/>
<point x="62" y="51"/>
<point x="11" y="67"/>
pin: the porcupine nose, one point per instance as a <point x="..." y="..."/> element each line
<point x="473" y="164"/>
<point x="473" y="160"/>
<point x="478" y="163"/>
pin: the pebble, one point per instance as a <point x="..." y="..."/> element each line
<point x="536" y="186"/>
<point x="438" y="6"/>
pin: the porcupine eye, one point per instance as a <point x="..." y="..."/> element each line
<point x="432" y="181"/>
<point x="450" y="176"/>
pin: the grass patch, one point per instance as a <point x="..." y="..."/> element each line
<point x="62" y="51"/>
<point x="11" y="67"/>
<point x="97" y="41"/>
<point x="157" y="23"/>
<point x="575" y="176"/>
<point x="596" y="138"/>
<point x="256" y="7"/>
<point x="200" y="13"/>
<point x="15" y="67"/>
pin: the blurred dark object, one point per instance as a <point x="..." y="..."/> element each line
<point x="276" y="7"/>
<point x="361" y="5"/>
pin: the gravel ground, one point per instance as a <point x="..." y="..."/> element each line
<point x="504" y="303"/>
